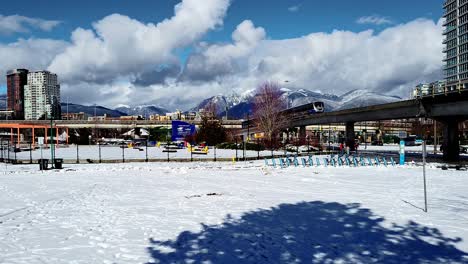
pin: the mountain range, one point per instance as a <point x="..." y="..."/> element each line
<point x="238" y="105"/>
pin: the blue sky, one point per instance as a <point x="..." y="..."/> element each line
<point x="311" y="16"/>
<point x="281" y="19"/>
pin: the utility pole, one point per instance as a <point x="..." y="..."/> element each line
<point x="435" y="136"/>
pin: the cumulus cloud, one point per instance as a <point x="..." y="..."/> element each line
<point x="35" y="54"/>
<point x="389" y="62"/>
<point x="216" y="60"/>
<point x="22" y="24"/>
<point x="119" y="46"/>
<point x="374" y="20"/>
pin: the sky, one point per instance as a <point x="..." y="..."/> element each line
<point x="174" y="53"/>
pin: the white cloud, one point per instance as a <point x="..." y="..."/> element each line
<point x="22" y="24"/>
<point x="390" y="62"/>
<point x="222" y="59"/>
<point x="119" y="46"/>
<point x="294" y="8"/>
<point x="374" y="20"/>
<point x="34" y="54"/>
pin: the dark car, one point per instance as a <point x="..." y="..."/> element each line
<point x="464" y="149"/>
<point x="377" y="143"/>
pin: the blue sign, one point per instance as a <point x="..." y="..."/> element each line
<point x="180" y="130"/>
<point x="402" y="152"/>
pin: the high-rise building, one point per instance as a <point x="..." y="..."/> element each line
<point x="456" y="43"/>
<point x="42" y="96"/>
<point x="16" y="80"/>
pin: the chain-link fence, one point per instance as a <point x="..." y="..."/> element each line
<point x="29" y="152"/>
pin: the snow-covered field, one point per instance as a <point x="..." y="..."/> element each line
<point x="231" y="213"/>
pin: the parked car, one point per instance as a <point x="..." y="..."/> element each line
<point x="377" y="143"/>
<point x="464" y="149"/>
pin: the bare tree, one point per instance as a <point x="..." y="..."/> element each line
<point x="268" y="107"/>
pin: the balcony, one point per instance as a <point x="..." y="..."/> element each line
<point x="448" y="2"/>
<point x="448" y="29"/>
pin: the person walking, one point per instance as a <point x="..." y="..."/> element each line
<point x="341" y="148"/>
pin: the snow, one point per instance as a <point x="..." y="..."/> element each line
<point x="231" y="213"/>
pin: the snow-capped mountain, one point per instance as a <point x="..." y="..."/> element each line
<point x="90" y="110"/>
<point x="362" y="98"/>
<point x="221" y="102"/>
<point x="143" y="110"/>
<point x="239" y="105"/>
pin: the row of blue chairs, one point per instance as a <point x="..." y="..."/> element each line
<point x="332" y="160"/>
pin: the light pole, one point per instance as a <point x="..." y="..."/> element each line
<point x="51" y="115"/>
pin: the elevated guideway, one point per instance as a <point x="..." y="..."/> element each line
<point x="448" y="109"/>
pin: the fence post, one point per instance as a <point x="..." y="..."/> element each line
<point x="77" y="153"/>
<point x="123" y="154"/>
<point x="1" y="145"/>
<point x="8" y="151"/>
<point x="14" y="151"/>
<point x="236" y="150"/>
<point x="146" y="160"/>
<point x="258" y="149"/>
<point x="191" y="153"/>
<point x="215" y="153"/>
<point x="99" y="152"/>
<point x="167" y="149"/>
<point x="30" y="153"/>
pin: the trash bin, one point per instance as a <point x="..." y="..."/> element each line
<point x="58" y="163"/>
<point x="43" y="164"/>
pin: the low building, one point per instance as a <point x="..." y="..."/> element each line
<point x="74" y="116"/>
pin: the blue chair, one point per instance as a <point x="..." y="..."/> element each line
<point x="283" y="164"/>
<point x="370" y="161"/>
<point x="304" y="162"/>
<point x="347" y="161"/>
<point x="266" y="162"/>
<point x="311" y="161"/>
<point x="393" y="161"/>
<point x="355" y="162"/>
<point x="362" y="161"/>
<point x="295" y="161"/>
<point x="377" y="161"/>
<point x="325" y="162"/>
<point x="384" y="160"/>
<point x="318" y="161"/>
<point x="273" y="162"/>
<point x="340" y="162"/>
<point x="333" y="162"/>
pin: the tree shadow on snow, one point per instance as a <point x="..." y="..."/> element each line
<point x="310" y="232"/>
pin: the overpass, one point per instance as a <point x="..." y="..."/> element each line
<point x="448" y="109"/>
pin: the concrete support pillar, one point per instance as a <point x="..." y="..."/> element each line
<point x="67" y="136"/>
<point x="451" y="144"/>
<point x="18" y="136"/>
<point x="45" y="132"/>
<point x="56" y="136"/>
<point x="350" y="136"/>
<point x="33" y="138"/>
<point x="302" y="134"/>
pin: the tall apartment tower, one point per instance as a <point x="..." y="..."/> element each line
<point x="42" y="96"/>
<point x="16" y="80"/>
<point x="456" y="41"/>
